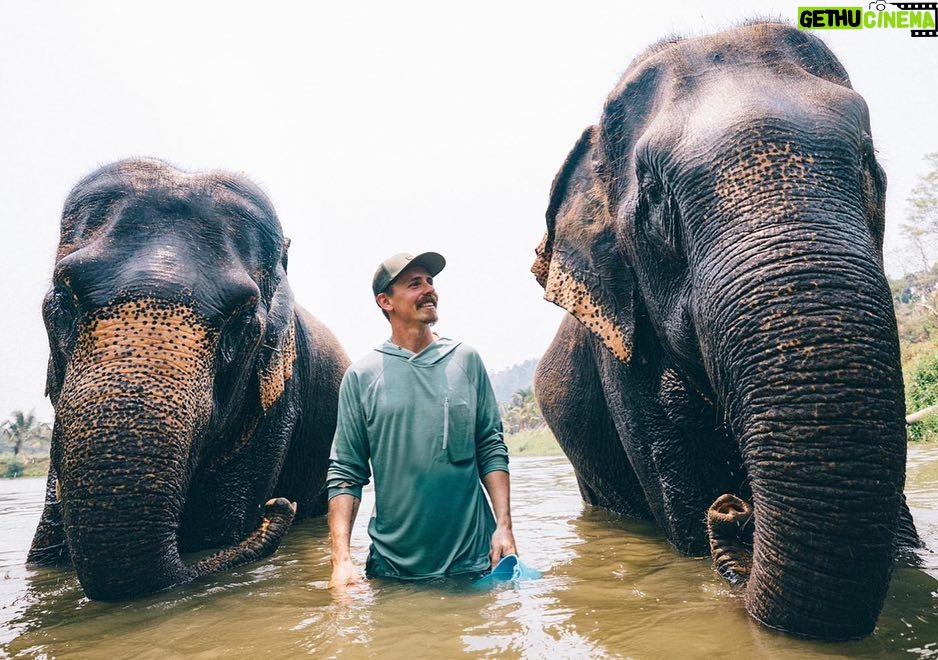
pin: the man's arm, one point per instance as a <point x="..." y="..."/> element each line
<point x="492" y="456"/>
<point x="348" y="472"/>
<point x="498" y="486"/>
<point x="342" y="511"/>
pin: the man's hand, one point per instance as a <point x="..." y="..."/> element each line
<point x="344" y="575"/>
<point x="342" y="511"/>
<point x="499" y="489"/>
<point x="503" y="543"/>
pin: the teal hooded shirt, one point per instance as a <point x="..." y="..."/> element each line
<point x="428" y="423"/>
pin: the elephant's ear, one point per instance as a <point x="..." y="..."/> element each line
<point x="283" y="254"/>
<point x="55" y="371"/>
<point x="578" y="261"/>
<point x="278" y="348"/>
<point x="55" y="374"/>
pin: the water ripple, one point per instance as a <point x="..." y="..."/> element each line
<point x="612" y="588"/>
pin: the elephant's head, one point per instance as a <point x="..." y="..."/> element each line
<point x="729" y="209"/>
<point x="171" y="329"/>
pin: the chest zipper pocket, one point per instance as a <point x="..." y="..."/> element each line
<point x="445" y="422"/>
<point x="458" y="445"/>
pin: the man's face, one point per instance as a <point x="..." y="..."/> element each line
<point x="412" y="297"/>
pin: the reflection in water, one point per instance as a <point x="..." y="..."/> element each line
<point x="611" y="588"/>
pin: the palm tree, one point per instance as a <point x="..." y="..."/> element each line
<point x="19" y="427"/>
<point x="523" y="412"/>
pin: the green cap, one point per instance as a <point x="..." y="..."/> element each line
<point x="391" y="267"/>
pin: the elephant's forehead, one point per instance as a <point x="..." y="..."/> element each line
<point x="147" y="175"/>
<point x="137" y="199"/>
<point x="774" y="43"/>
<point x="722" y="110"/>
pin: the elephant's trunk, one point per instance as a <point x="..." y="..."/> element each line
<point x="729" y="528"/>
<point x="136" y="396"/>
<point x="808" y="369"/>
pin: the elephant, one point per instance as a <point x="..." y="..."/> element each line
<point x="195" y="401"/>
<point x="729" y="364"/>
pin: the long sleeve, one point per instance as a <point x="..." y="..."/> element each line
<point x="348" y="461"/>
<point x="491" y="451"/>
<point x="427" y="425"/>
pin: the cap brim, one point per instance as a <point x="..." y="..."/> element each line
<point x="432" y="261"/>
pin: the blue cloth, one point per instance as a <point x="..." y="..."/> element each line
<point x="509" y="569"/>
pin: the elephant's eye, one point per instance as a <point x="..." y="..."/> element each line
<point x="60" y="312"/>
<point x="659" y="220"/>
<point x="653" y="191"/>
<point x="240" y="333"/>
<point x="873" y="187"/>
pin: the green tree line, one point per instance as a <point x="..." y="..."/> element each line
<point x="24" y="444"/>
<point x="915" y="298"/>
<point x="522" y="413"/>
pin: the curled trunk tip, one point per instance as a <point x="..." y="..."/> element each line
<point x="730" y="532"/>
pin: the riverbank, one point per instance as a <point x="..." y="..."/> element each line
<point x="535" y="442"/>
<point x="31" y="466"/>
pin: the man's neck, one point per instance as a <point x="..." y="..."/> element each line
<point x="413" y="338"/>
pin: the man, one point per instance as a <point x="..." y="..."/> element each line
<point x="422" y="410"/>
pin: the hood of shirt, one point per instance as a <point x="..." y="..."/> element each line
<point x="429" y="356"/>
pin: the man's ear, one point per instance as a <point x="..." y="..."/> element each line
<point x="384" y="302"/>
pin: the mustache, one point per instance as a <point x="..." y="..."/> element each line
<point x="429" y="298"/>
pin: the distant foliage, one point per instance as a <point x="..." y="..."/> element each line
<point x="915" y="298"/>
<point x="522" y="413"/>
<point x="921" y="391"/>
<point x="24" y="432"/>
<point x="12" y="469"/>
<point x="24" y="445"/>
<point x="922" y="388"/>
<point x="511" y="380"/>
<point x="920" y="228"/>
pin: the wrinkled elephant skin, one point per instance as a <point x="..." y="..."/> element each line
<point x="731" y="346"/>
<point x="194" y="400"/>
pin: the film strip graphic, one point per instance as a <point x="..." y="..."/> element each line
<point x="919" y="6"/>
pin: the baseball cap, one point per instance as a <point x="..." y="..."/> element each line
<point x="391" y="267"/>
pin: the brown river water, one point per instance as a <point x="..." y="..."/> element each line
<point x="611" y="588"/>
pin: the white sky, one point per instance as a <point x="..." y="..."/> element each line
<point x="375" y="127"/>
